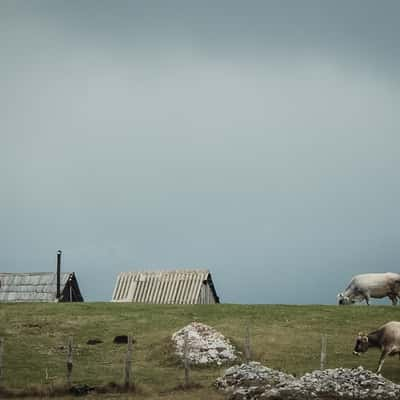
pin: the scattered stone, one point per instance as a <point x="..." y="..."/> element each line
<point x="205" y="345"/>
<point x="249" y="381"/>
<point x="253" y="381"/>
<point x="94" y="341"/>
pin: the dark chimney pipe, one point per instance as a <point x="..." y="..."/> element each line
<point x="58" y="273"/>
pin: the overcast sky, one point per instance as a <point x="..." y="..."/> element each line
<point x="259" y="139"/>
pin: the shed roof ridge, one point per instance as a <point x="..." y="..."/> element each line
<point x="35" y="273"/>
<point x="168" y="271"/>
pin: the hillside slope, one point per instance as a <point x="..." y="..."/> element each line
<point x="282" y="337"/>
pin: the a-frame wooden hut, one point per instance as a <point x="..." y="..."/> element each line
<point x="39" y="287"/>
<point x="166" y="287"/>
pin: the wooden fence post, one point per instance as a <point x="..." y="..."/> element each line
<point x="1" y="359"/>
<point x="69" y="361"/>
<point x="247" y="349"/>
<point x="324" y="340"/>
<point x="186" y="358"/>
<point x="128" y="364"/>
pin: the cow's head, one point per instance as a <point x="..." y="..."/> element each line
<point x="361" y="345"/>
<point x="344" y="300"/>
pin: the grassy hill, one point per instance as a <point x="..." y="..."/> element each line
<point x="282" y="337"/>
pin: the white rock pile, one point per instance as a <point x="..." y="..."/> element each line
<point x="253" y="381"/>
<point x="205" y="345"/>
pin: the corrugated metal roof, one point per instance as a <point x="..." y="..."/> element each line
<point x="29" y="287"/>
<point x="163" y="287"/>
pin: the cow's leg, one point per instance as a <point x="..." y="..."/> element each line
<point x="393" y="297"/>
<point x="381" y="361"/>
<point x="366" y="297"/>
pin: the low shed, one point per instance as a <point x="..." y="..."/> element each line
<point x="38" y="287"/>
<point x="166" y="287"/>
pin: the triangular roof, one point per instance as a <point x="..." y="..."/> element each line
<point x="163" y="287"/>
<point x="35" y="286"/>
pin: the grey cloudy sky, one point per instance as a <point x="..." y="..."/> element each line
<point x="259" y="139"/>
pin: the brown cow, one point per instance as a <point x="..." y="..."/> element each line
<point x="386" y="338"/>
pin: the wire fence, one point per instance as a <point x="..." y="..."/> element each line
<point x="72" y="361"/>
<point x="68" y="362"/>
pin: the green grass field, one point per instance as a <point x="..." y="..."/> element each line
<point x="282" y="337"/>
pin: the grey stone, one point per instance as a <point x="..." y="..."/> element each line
<point x="253" y="381"/>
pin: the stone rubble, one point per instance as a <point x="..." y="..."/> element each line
<point x="253" y="381"/>
<point x="205" y="345"/>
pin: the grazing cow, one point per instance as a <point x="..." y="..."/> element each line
<point x="386" y="338"/>
<point x="365" y="286"/>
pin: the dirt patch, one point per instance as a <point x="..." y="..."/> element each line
<point x="42" y="391"/>
<point x="93" y="342"/>
<point x="122" y="339"/>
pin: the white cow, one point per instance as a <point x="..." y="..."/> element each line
<point x="364" y="286"/>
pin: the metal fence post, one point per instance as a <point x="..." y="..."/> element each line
<point x="324" y="340"/>
<point x="247" y="348"/>
<point x="69" y="361"/>
<point x="186" y="358"/>
<point x="1" y="359"/>
<point x="128" y="364"/>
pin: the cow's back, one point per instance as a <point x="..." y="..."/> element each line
<point x="391" y="334"/>
<point x="375" y="284"/>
